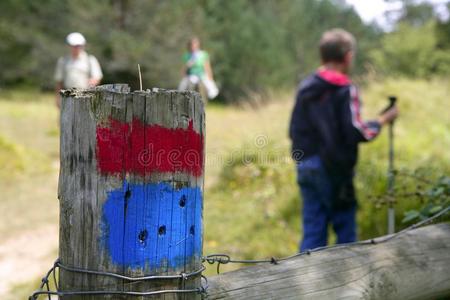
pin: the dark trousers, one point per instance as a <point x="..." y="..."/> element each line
<point x="318" y="209"/>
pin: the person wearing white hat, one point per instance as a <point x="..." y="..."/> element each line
<point x="78" y="69"/>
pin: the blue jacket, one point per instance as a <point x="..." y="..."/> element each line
<point x="326" y="121"/>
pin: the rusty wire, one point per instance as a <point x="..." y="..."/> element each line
<point x="220" y="259"/>
<point x="44" y="288"/>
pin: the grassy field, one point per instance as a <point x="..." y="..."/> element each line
<point x="251" y="206"/>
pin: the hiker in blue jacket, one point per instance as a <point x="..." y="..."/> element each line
<point x="325" y="129"/>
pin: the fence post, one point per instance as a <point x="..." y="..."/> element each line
<point x="131" y="190"/>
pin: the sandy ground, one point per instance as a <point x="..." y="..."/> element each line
<point x="27" y="256"/>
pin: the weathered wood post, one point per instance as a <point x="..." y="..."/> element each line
<point x="130" y="190"/>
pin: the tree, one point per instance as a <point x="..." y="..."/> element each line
<point x="254" y="45"/>
<point x="418" y="47"/>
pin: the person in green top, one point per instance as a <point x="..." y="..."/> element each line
<point x="197" y="70"/>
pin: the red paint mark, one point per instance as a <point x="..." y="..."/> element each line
<point x="146" y="149"/>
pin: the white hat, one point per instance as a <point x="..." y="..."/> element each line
<point x="75" y="39"/>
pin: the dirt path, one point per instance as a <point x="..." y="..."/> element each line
<point x="26" y="257"/>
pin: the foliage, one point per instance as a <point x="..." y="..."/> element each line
<point x="416" y="14"/>
<point x="434" y="198"/>
<point x="422" y="186"/>
<point x="412" y="51"/>
<point x="264" y="44"/>
<point x="254" y="45"/>
<point x="11" y="158"/>
<point x="421" y="140"/>
<point x="254" y="194"/>
<point x="418" y="46"/>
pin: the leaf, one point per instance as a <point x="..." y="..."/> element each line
<point x="435" y="209"/>
<point x="425" y="211"/>
<point x="410" y="215"/>
<point x="438" y="191"/>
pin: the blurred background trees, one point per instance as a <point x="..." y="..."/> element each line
<point x="254" y="45"/>
<point x="419" y="45"/>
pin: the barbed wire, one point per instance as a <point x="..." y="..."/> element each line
<point x="44" y="288"/>
<point x="222" y="259"/>
<point x="183" y="276"/>
<point x="218" y="258"/>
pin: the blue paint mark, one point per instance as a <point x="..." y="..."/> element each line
<point x="146" y="225"/>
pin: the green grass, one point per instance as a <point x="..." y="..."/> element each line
<point x="422" y="140"/>
<point x="28" y="180"/>
<point x="12" y="158"/>
<point x="28" y="160"/>
<point x="253" y="209"/>
<point x="251" y="205"/>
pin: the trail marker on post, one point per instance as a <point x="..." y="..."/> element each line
<point x="131" y="191"/>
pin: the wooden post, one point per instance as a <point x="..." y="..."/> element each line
<point x="130" y="189"/>
<point x="411" y="266"/>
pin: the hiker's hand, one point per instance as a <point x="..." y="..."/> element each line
<point x="388" y="116"/>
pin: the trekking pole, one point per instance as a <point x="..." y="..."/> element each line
<point x="391" y="211"/>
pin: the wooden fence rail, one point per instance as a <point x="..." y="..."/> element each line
<point x="411" y="266"/>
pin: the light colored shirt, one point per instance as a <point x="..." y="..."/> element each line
<point x="75" y="73"/>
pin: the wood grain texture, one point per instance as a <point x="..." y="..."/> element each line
<point x="412" y="266"/>
<point x="130" y="223"/>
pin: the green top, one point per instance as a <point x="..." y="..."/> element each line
<point x="195" y="62"/>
